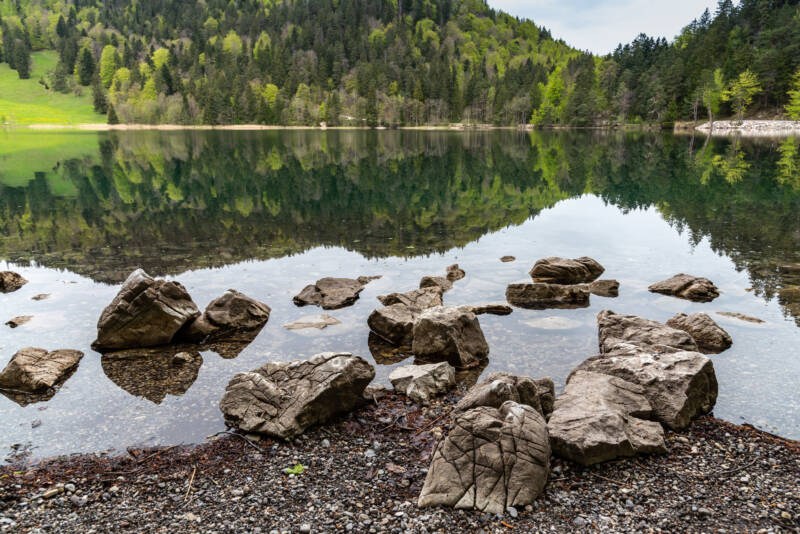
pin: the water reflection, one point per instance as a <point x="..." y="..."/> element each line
<point x="153" y="373"/>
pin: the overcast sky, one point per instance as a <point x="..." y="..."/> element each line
<point x="600" y="25"/>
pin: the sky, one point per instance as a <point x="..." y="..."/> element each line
<point x="600" y="25"/>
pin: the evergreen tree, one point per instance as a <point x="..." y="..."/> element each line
<point x="98" y="96"/>
<point x="22" y="60"/>
<point x="85" y="67"/>
<point x="112" y="115"/>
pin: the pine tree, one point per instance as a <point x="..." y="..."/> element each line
<point x="98" y="96"/>
<point x="22" y="60"/>
<point x="112" y="115"/>
<point x="85" y="68"/>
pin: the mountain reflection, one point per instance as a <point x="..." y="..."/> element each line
<point x="103" y="204"/>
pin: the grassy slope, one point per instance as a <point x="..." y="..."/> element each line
<point x="28" y="102"/>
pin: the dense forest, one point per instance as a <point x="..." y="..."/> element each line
<point x="397" y="62"/>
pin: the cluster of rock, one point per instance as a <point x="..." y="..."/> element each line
<point x="562" y="283"/>
<point x="333" y="293"/>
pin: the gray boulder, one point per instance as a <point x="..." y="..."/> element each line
<point x="601" y="417"/>
<point x="566" y="271"/>
<point x="420" y="299"/>
<point x="451" y="334"/>
<point x="394" y="323"/>
<point x="226" y="316"/>
<point x="688" y="287"/>
<point x="615" y="329"/>
<point x="32" y="369"/>
<point x="541" y="296"/>
<point x="708" y="335"/>
<point x="422" y="382"/>
<point x="498" y="388"/>
<point x="145" y="313"/>
<point x="493" y="458"/>
<point x="11" y="281"/>
<point x="283" y="399"/>
<point x="332" y="293"/>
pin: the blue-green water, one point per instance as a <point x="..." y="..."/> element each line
<point x="269" y="212"/>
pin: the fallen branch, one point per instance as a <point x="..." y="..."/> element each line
<point x="188" y="489"/>
<point x="239" y="436"/>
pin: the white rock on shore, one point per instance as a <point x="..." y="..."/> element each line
<point x="755" y="128"/>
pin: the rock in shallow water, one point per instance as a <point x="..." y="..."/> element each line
<point x="498" y="388"/>
<point x="394" y="323"/>
<point x="688" y="287"/>
<point x="615" y="329"/>
<point x="541" y="296"/>
<point x="33" y="369"/>
<point x="492" y="458"/>
<point x="555" y="270"/>
<point x="332" y="293"/>
<point x="421" y="299"/>
<point x="708" y="335"/>
<point x="11" y="281"/>
<point x="449" y="333"/>
<point x="422" y="382"/>
<point x="19" y="321"/>
<point x="225" y="316"/>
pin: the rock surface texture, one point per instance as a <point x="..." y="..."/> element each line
<point x="708" y="335"/>
<point x="424" y="298"/>
<point x="32" y="369"/>
<point x="451" y="334"/>
<point x="492" y="459"/>
<point x="687" y="287"/>
<point x="394" y="323"/>
<point x="145" y="313"/>
<point x="617" y="329"/>
<point x="566" y="271"/>
<point x="11" y="281"/>
<point x="283" y="399"/>
<point x="332" y="293"/>
<point x="601" y="417"/>
<point x="436" y="282"/>
<point x="225" y="316"/>
<point x="542" y="296"/>
<point x="498" y="388"/>
<point x="422" y="382"/>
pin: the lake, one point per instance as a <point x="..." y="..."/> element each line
<point x="269" y="212"/>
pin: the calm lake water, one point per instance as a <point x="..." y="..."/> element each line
<point x="269" y="212"/>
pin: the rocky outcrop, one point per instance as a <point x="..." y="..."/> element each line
<point x="32" y="369"/>
<point x="541" y="296"/>
<point x="708" y="335"/>
<point x="420" y="299"/>
<point x="283" y="399"/>
<point x="332" y="293"/>
<point x="499" y="388"/>
<point x="11" y="281"/>
<point x="601" y="417"/>
<point x="451" y="334"/>
<point x="394" y="323"/>
<point x="492" y="459"/>
<point x="153" y="373"/>
<point x="566" y="271"/>
<point x="422" y="382"/>
<point x="687" y="287"/>
<point x="145" y="313"/>
<point x="615" y="329"/>
<point x="320" y="322"/>
<point x="230" y="314"/>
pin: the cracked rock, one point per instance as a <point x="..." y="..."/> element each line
<point x="421" y="299"/>
<point x="493" y="458"/>
<point x="542" y="296"/>
<point x="708" y="335"/>
<point x="332" y="293"/>
<point x="449" y="333"/>
<point x="688" y="287"/>
<point x="32" y="369"/>
<point x="566" y="271"/>
<point x="422" y="382"/>
<point x="498" y="388"/>
<point x="283" y="399"/>
<point x="615" y="329"/>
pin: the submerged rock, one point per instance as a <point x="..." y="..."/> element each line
<point x="420" y="299"/>
<point x="601" y="417"/>
<point x="498" y="388"/>
<point x="615" y="329"/>
<point x="507" y="259"/>
<point x="741" y="317"/>
<point x="11" y="281"/>
<point x="332" y="293"/>
<point x="32" y="369"/>
<point x="688" y="287"/>
<point x="226" y="316"/>
<point x="386" y="353"/>
<point x="422" y="382"/>
<point x="19" y="321"/>
<point x="319" y="322"/>
<point x="708" y="335"/>
<point x="283" y="399"/>
<point x="541" y="296"/>
<point x="555" y="270"/>
<point x="153" y="373"/>
<point x="492" y="459"/>
<point x="451" y="334"/>
<point x="145" y="313"/>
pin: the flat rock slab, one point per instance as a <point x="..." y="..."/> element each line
<point x="19" y="321"/>
<point x="225" y="316"/>
<point x="153" y="373"/>
<point x="145" y="313"/>
<point x="499" y="388"/>
<point x="11" y="281"/>
<point x="617" y="329"/>
<point x="542" y="296"/>
<point x="332" y="293"/>
<point x="420" y="299"/>
<point x="420" y="383"/>
<point x="449" y="333"/>
<point x="687" y="287"/>
<point x="601" y="417"/>
<point x="319" y="322"/>
<point x="708" y="335"/>
<point x="283" y="399"/>
<point x="32" y="369"/>
<point x="492" y="459"/>
<point x="555" y="270"/>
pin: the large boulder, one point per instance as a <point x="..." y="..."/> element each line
<point x="394" y="323"/>
<point x="615" y="329"/>
<point x="492" y="459"/>
<point x="32" y="369"/>
<point x="226" y="316"/>
<point x="601" y="417"/>
<point x="708" y="335"/>
<point x="422" y="382"/>
<point x="449" y="333"/>
<point x="11" y="281"/>
<point x="566" y="271"/>
<point x="498" y="388"/>
<point x="332" y="293"/>
<point x="421" y="299"/>
<point x="688" y="287"/>
<point x="153" y="373"/>
<point x="678" y="385"/>
<point x="145" y="313"/>
<point x="541" y="296"/>
<point x="283" y="399"/>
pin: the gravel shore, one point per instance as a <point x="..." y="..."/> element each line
<point x="364" y="472"/>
